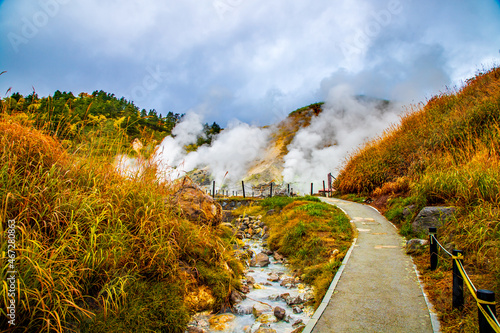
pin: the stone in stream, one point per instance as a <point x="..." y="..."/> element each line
<point x="267" y="318"/>
<point x="278" y="257"/>
<point x="259" y="308"/>
<point x="220" y="322"/>
<point x="273" y="277"/>
<point x="260" y="260"/>
<point x="296" y="310"/>
<point x="245" y="289"/>
<point x="237" y="297"/>
<point x="265" y="330"/>
<point x="250" y="280"/>
<point x="279" y="313"/>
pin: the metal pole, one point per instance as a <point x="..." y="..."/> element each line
<point x="433" y="248"/>
<point x="213" y="189"/>
<point x="271" y="193"/>
<point x="243" y="187"/>
<point x="489" y="296"/>
<point x="312" y="189"/>
<point x="324" y="188"/>
<point x="288" y="189"/>
<point x="458" y="282"/>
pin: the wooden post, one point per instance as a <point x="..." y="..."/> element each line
<point x="213" y="189"/>
<point x="458" y="282"/>
<point x="243" y="187"/>
<point x="324" y="188"/>
<point x="271" y="192"/>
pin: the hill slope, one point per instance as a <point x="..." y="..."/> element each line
<point x="445" y="153"/>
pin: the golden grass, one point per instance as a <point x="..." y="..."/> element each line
<point x="448" y="153"/>
<point x="98" y="252"/>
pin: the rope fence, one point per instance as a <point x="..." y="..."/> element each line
<point x="485" y="299"/>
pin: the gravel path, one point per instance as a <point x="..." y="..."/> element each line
<point x="378" y="290"/>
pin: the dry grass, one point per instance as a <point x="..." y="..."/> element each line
<point x="448" y="153"/>
<point x="98" y="252"/>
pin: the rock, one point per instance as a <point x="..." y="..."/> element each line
<point x="195" y="204"/>
<point x="278" y="257"/>
<point x="243" y="310"/>
<point x="413" y="245"/>
<point x="193" y="329"/>
<point x="250" y="280"/>
<point x="288" y="282"/>
<point x="237" y="297"/>
<point x="220" y="322"/>
<point x="265" y="330"/>
<point x="259" y="308"/>
<point x="245" y="289"/>
<point x="271" y="212"/>
<point x="408" y="210"/>
<point x="279" y="313"/>
<point x="267" y="318"/>
<point x="298" y="323"/>
<point x="431" y="217"/>
<point x="260" y="260"/>
<point x="273" y="277"/>
<point x="296" y="310"/>
<point x="299" y="329"/>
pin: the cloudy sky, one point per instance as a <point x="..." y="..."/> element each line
<point x="251" y="60"/>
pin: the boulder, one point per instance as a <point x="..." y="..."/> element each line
<point x="260" y="260"/>
<point x="431" y="217"/>
<point x="195" y="204"/>
<point x="415" y="244"/>
<point x="273" y="277"/>
<point x="259" y="308"/>
<point x="279" y="313"/>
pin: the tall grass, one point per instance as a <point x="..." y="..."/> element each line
<point x="448" y="153"/>
<point x="98" y="252"/>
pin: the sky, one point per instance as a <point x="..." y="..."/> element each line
<point x="248" y="60"/>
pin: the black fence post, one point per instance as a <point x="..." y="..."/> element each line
<point x="271" y="192"/>
<point x="288" y="189"/>
<point x="458" y="282"/>
<point x="488" y="296"/>
<point x="213" y="189"/>
<point x="243" y="187"/>
<point x="312" y="189"/>
<point x="433" y="247"/>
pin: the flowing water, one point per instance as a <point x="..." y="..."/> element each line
<point x="266" y="294"/>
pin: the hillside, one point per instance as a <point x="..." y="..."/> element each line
<point x="444" y="153"/>
<point x="97" y="251"/>
<point x="269" y="167"/>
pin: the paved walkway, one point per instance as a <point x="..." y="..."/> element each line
<point x="378" y="290"/>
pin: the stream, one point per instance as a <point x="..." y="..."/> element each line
<point x="273" y="299"/>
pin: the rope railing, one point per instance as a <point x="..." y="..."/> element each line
<point x="485" y="299"/>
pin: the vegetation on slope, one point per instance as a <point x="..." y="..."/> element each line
<point x="98" y="252"/>
<point x="314" y="236"/>
<point x="444" y="153"/>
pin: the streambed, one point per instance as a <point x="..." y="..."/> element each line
<point x="272" y="299"/>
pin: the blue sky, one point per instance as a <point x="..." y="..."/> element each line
<point x="251" y="60"/>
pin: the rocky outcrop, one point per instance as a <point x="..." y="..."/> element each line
<point x="431" y="217"/>
<point x="195" y="204"/>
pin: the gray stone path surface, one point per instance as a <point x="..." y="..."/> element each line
<point x="378" y="290"/>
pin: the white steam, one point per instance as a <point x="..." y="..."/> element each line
<point x="345" y="123"/>
<point x="227" y="158"/>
